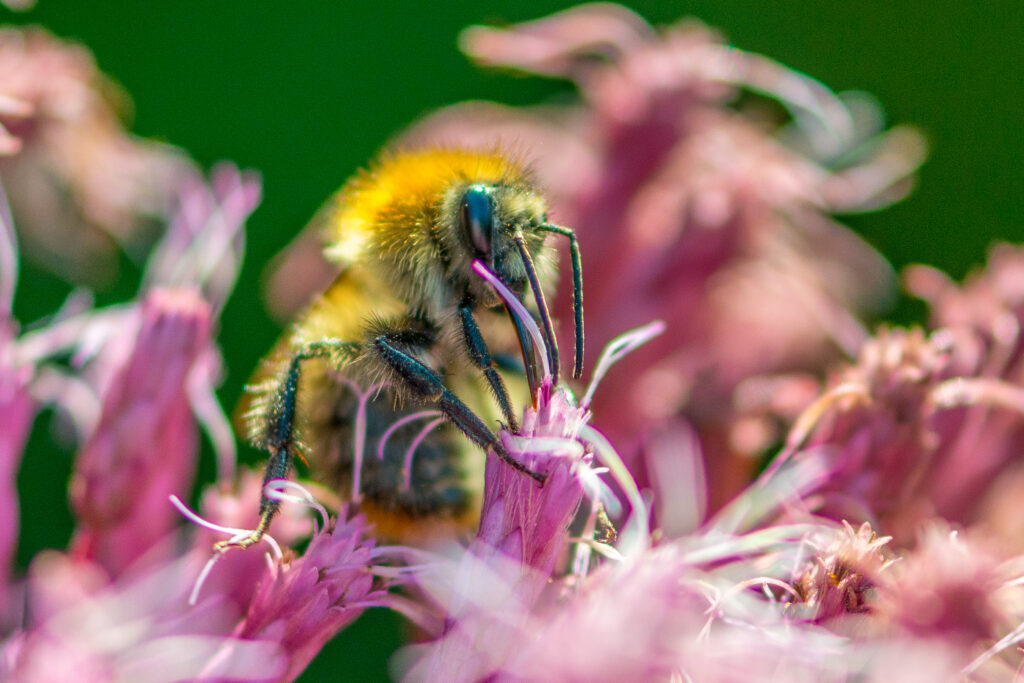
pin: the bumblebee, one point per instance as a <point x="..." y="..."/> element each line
<point x="402" y="329"/>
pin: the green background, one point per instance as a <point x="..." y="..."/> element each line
<point x="305" y="92"/>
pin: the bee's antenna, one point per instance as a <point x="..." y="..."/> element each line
<point x="542" y="308"/>
<point x="577" y="291"/>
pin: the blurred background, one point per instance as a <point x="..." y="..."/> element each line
<point x="306" y="94"/>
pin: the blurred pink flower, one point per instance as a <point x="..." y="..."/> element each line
<point x="136" y="379"/>
<point x="145" y="444"/>
<point x="143" y="373"/>
<point x="948" y="589"/>
<point x="20" y="5"/>
<point x="929" y="424"/>
<point x="16" y="412"/>
<point x="961" y="592"/>
<point x="79" y="184"/>
<point x="139" y="627"/>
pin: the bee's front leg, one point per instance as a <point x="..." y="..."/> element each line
<point x="481" y="358"/>
<point x="422" y="383"/>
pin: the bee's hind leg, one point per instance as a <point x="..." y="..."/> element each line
<point x="278" y="433"/>
<point x="424" y="384"/>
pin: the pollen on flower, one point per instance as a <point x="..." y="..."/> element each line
<point x="841" y="576"/>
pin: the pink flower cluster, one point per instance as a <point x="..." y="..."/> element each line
<point x="125" y="601"/>
<point x="882" y="540"/>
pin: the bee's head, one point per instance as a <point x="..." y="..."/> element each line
<point x="490" y="218"/>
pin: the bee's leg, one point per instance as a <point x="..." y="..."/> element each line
<point x="279" y="438"/>
<point x="424" y="384"/>
<point x="482" y="359"/>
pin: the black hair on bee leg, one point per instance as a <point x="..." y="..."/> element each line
<point x="481" y="358"/>
<point x="425" y="384"/>
<point x="279" y="437"/>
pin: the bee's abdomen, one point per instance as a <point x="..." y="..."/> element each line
<point x="437" y="487"/>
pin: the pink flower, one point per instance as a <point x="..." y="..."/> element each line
<point x="520" y="519"/>
<point x="16" y="412"/>
<point x="145" y="443"/>
<point x="79" y="183"/>
<point x="303" y="604"/>
<point x="235" y="504"/>
<point x="140" y="627"/>
<point x="841" y="577"/>
<point x="928" y="424"/>
<point x="957" y="591"/>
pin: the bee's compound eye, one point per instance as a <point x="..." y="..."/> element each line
<point x="477" y="218"/>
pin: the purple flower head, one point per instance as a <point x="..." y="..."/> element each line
<point x="302" y="604"/>
<point x="519" y="519"/>
<point x="236" y="576"/>
<point x="525" y="522"/>
<point x="926" y="424"/>
<point x="841" y="577"/>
